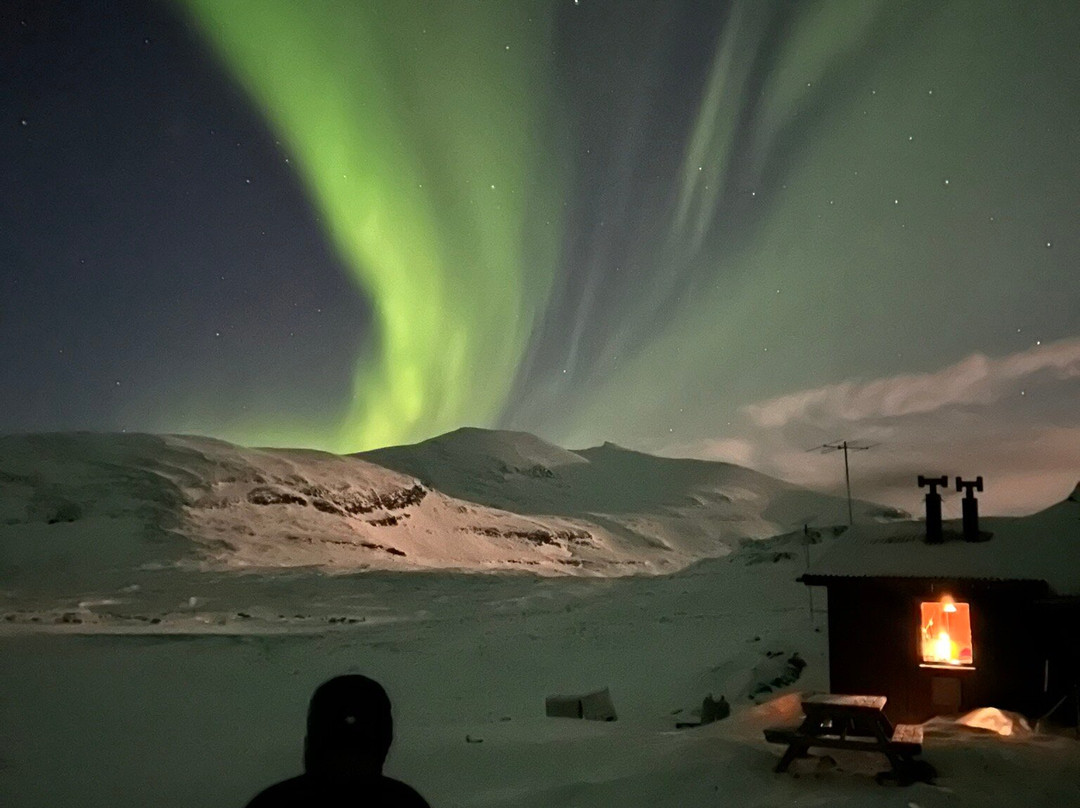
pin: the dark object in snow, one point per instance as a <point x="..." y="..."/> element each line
<point x="595" y="706"/>
<point x="773" y="558"/>
<point x="64" y="512"/>
<point x="855" y="723"/>
<point x="711" y="710"/>
<point x="714" y="710"/>
<point x="777" y="678"/>
<point x="349" y="730"/>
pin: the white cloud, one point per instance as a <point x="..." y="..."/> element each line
<point x="973" y="380"/>
<point x="1013" y="419"/>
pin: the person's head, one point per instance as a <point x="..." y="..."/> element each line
<point x="349" y="728"/>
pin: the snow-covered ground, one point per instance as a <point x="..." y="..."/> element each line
<point x="140" y="665"/>
<point x="209" y="710"/>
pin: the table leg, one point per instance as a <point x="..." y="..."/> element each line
<point x="793" y="751"/>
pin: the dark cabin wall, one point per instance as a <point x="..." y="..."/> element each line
<point x="874" y="646"/>
<point x="1060" y="621"/>
<point x="868" y="651"/>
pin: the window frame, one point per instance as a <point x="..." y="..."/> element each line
<point x="930" y="599"/>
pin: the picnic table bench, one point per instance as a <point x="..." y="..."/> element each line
<point x="857" y="723"/>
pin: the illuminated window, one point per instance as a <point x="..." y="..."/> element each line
<point x="945" y="634"/>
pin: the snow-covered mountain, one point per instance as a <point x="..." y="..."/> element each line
<point x="78" y="505"/>
<point x="695" y="508"/>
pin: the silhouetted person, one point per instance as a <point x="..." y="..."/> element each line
<point x="349" y="730"/>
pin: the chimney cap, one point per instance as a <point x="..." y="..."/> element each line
<point x="925" y="481"/>
<point x="973" y="485"/>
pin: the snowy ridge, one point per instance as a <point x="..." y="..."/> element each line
<point x="82" y="504"/>
<point x="693" y="508"/>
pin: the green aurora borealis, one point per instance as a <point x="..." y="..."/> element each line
<point x="419" y="135"/>
<point x="837" y="171"/>
<point x="725" y="229"/>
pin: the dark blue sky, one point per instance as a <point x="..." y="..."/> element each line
<point x="155" y="245"/>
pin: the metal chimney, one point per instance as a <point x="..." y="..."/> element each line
<point x="971" y="506"/>
<point x="934" y="534"/>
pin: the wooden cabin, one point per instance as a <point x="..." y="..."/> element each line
<point x="942" y="618"/>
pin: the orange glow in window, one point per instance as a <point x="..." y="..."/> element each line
<point x="946" y="632"/>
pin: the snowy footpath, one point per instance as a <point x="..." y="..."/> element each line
<point x="192" y="689"/>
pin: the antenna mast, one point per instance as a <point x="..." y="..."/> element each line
<point x="846" y="446"/>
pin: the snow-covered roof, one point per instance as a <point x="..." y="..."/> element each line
<point x="1044" y="546"/>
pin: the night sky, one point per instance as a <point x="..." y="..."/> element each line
<point x="731" y="230"/>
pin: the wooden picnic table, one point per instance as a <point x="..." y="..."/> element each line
<point x="857" y="723"/>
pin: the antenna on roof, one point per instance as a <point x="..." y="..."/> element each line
<point x="845" y="446"/>
<point x="806" y="550"/>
